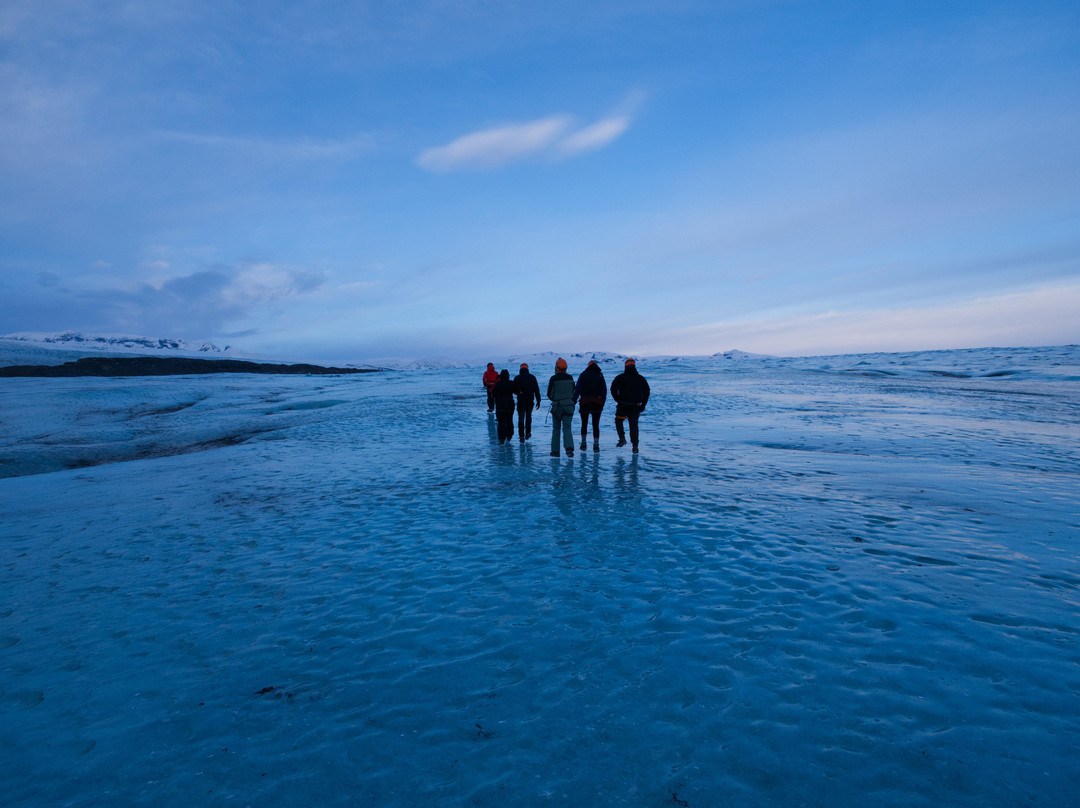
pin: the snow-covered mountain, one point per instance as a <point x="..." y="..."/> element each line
<point x="577" y="359"/>
<point x="108" y="342"/>
<point x="422" y="363"/>
<point x="605" y="359"/>
<point x="56" y="348"/>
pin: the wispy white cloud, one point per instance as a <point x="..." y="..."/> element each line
<point x="498" y="146"/>
<point x="300" y="149"/>
<point x="554" y="136"/>
<point x="260" y="283"/>
<point x="595" y="136"/>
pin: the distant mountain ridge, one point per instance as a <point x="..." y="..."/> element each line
<point x="609" y="359"/>
<point x="44" y="345"/>
<point x="55" y="349"/>
<point x="74" y="339"/>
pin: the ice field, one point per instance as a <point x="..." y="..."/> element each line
<point x="841" y="581"/>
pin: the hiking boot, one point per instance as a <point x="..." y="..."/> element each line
<point x="622" y="442"/>
<point x="583" y="447"/>
<point x="570" y="452"/>
<point x="635" y="448"/>
<point x="596" y="447"/>
<point x="554" y="454"/>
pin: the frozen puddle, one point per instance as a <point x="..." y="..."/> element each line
<point x="844" y="585"/>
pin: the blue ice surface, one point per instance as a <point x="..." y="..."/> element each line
<point x="847" y="581"/>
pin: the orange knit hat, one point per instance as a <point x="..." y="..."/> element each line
<point x="560" y="364"/>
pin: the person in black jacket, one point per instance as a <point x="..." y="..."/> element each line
<point x="503" y="395"/>
<point x="528" y="391"/>
<point x="631" y="394"/>
<point x="591" y="394"/>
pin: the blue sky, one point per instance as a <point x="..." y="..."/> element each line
<point x="350" y="180"/>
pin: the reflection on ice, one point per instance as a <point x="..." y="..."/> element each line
<point x="828" y="581"/>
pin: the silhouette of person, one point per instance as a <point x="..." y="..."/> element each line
<point x="560" y="391"/>
<point x="631" y="393"/>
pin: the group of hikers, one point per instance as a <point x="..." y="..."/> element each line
<point x="629" y="389"/>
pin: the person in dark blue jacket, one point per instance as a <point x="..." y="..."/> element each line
<point x="591" y="394"/>
<point x="631" y="394"/>
<point x="528" y="393"/>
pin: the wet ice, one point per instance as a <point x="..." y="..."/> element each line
<point x="824" y="581"/>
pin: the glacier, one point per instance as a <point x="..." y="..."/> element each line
<point x="824" y="581"/>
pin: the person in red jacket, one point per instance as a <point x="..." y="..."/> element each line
<point x="490" y="377"/>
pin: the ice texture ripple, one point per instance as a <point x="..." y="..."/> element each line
<point x="813" y="587"/>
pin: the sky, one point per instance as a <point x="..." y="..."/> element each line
<point x="352" y="180"/>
